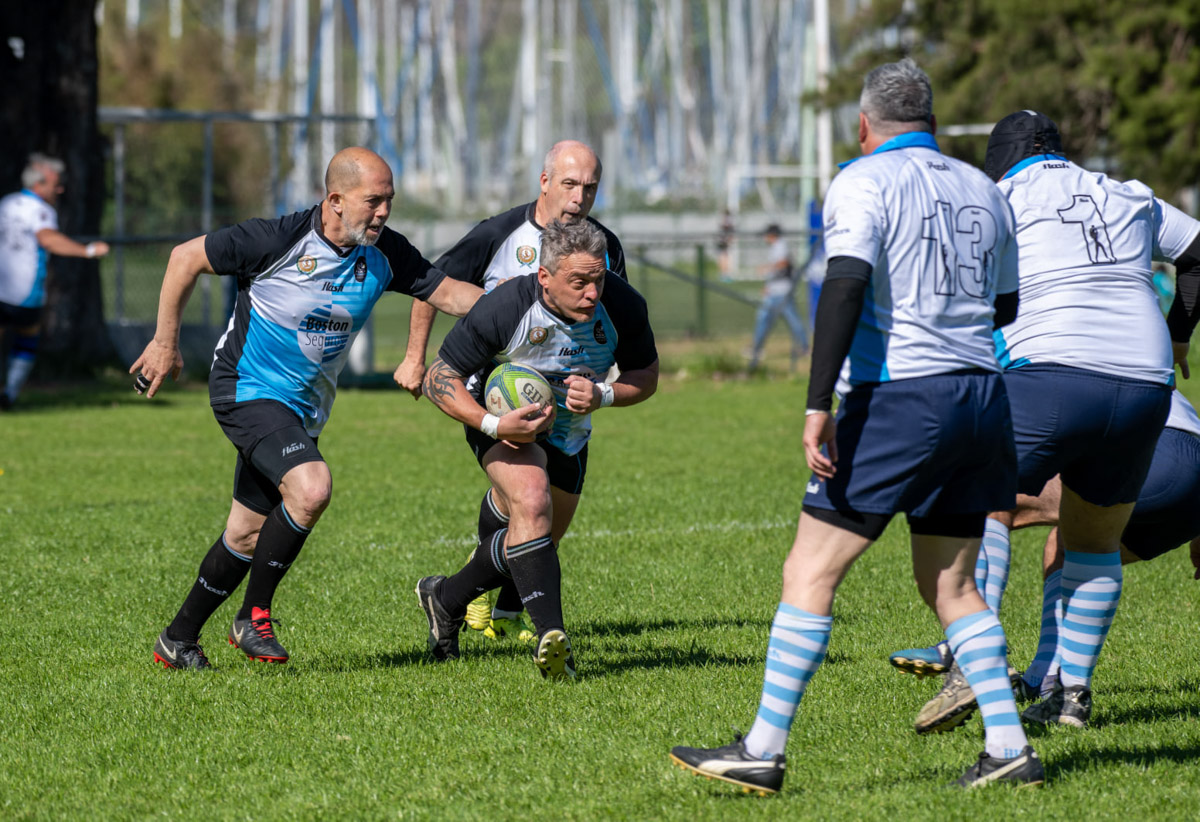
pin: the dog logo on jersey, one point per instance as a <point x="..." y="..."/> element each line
<point x="537" y="335"/>
<point x="598" y="333"/>
<point x="307" y="264"/>
<point x="360" y="270"/>
<point x="526" y="254"/>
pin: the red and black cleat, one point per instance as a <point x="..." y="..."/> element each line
<point x="179" y="655"/>
<point x="256" y="638"/>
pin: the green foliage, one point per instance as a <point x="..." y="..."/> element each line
<point x="1121" y="81"/>
<point x="671" y="573"/>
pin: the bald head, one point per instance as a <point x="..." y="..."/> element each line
<point x="349" y="166"/>
<point x="358" y="197"/>
<point x="570" y="152"/>
<point x="570" y="179"/>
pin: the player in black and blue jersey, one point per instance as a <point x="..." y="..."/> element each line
<point x="306" y="285"/>
<point x="496" y="250"/>
<point x="572" y="322"/>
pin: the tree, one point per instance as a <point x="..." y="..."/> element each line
<point x="48" y="60"/>
<point x="1121" y="80"/>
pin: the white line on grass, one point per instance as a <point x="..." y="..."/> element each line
<point x="733" y="526"/>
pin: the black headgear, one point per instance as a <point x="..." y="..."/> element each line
<point x="1020" y="135"/>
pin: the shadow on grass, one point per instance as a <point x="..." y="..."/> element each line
<point x="1105" y="757"/>
<point x="638" y="627"/>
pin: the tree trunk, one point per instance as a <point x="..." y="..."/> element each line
<point x="49" y="63"/>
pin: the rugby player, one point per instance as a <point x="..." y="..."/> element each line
<point x="1089" y="367"/>
<point x="496" y="250"/>
<point x="306" y="284"/>
<point x="572" y="322"/>
<point x="922" y="267"/>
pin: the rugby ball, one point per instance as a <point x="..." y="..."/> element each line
<point x="512" y="385"/>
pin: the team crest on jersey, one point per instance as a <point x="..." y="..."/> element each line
<point x="526" y="254"/>
<point x="537" y="335"/>
<point x="307" y="264"/>
<point x="598" y="332"/>
<point x="360" y="270"/>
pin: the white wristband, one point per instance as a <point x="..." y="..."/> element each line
<point x="90" y="250"/>
<point x="808" y="412"/>
<point x="606" y="394"/>
<point x="489" y="425"/>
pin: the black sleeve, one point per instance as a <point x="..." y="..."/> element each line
<point x="411" y="272"/>
<point x="635" y="339"/>
<point x="488" y="327"/>
<point x="470" y="256"/>
<point x="1006" y="309"/>
<point x="838" y="310"/>
<point x="252" y="246"/>
<point x="616" y="255"/>
<point x="1185" y="310"/>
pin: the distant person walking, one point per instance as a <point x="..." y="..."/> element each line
<point x="779" y="299"/>
<point x="28" y="236"/>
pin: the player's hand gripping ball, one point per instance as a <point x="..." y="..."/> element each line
<point x="512" y="385"/>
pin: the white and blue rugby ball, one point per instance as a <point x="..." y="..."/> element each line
<point x="512" y="385"/>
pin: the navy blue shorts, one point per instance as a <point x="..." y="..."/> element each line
<point x="270" y="442"/>
<point x="566" y="471"/>
<point x="19" y="316"/>
<point x="936" y="446"/>
<point x="1096" y="430"/>
<point x="1167" y="513"/>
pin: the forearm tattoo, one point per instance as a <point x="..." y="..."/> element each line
<point x="439" y="382"/>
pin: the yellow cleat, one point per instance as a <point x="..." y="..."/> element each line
<point x="516" y="627"/>
<point x="479" y="612"/>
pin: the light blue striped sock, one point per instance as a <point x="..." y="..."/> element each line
<point x="1043" y="660"/>
<point x="981" y="651"/>
<point x="1091" y="585"/>
<point x="995" y="547"/>
<point x="797" y="646"/>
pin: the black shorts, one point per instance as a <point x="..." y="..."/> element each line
<point x="270" y="441"/>
<point x="19" y="316"/>
<point x="566" y="472"/>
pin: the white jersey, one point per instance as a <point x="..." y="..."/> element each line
<point x="22" y="260"/>
<point x="939" y="238"/>
<point x="1087" y="292"/>
<point x="1183" y="416"/>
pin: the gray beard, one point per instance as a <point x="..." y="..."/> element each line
<point x="361" y="237"/>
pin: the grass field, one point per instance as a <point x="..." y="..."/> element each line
<point x="671" y="573"/>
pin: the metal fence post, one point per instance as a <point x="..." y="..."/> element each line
<point x="701" y="291"/>
<point x="119" y="217"/>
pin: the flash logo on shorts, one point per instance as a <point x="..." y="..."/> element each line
<point x="293" y="448"/>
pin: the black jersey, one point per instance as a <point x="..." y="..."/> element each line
<point x="514" y="324"/>
<point x="301" y="301"/>
<point x="509" y="245"/>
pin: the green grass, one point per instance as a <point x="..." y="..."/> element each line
<point x="671" y="571"/>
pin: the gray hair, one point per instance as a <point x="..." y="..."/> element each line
<point x="549" y="163"/>
<point x="37" y="166"/>
<point x="564" y="239"/>
<point x="897" y="97"/>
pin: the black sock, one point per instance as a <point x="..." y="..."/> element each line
<point x="535" y="570"/>
<point x="509" y="599"/>
<point x="279" y="543"/>
<point x="490" y="519"/>
<point x="221" y="572"/>
<point x="485" y="570"/>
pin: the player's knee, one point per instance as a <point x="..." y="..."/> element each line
<point x="529" y="498"/>
<point x="241" y="540"/>
<point x="307" y="500"/>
